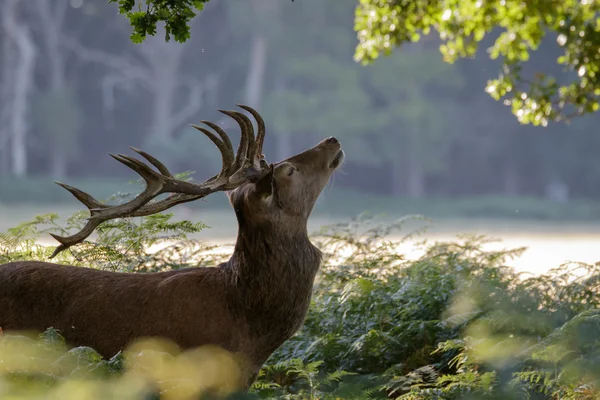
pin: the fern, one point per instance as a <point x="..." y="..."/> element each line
<point x="455" y="323"/>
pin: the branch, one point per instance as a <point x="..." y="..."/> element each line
<point x="60" y="11"/>
<point x="158" y="53"/>
<point x="109" y="83"/>
<point x="124" y="65"/>
<point x="194" y="103"/>
<point x="52" y="18"/>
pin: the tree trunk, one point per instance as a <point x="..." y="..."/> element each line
<point x="23" y="88"/>
<point x="416" y="177"/>
<point x="416" y="170"/>
<point x="163" y="61"/>
<point x="283" y="148"/>
<point x="398" y="177"/>
<point x="59" y="159"/>
<point x="511" y="179"/>
<point x="256" y="71"/>
<point x="23" y="85"/>
<point x="161" y="109"/>
<point x="408" y="178"/>
<point x="59" y="162"/>
<point x="51" y="21"/>
<point x="6" y="69"/>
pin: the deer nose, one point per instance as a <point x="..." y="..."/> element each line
<point x="332" y="140"/>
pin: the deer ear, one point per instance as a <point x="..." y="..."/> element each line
<point x="264" y="184"/>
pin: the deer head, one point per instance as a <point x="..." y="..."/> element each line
<point x="282" y="193"/>
<point x="287" y="191"/>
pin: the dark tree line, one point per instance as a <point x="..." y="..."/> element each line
<point x="73" y="87"/>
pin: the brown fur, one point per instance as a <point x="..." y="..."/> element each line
<point x="248" y="305"/>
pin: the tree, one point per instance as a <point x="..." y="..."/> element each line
<point x="17" y="86"/>
<point x="519" y="26"/>
<point x="315" y="90"/>
<point x="385" y="24"/>
<point x="156" y="67"/>
<point x="411" y="137"/>
<point x="176" y="15"/>
<point x="56" y="109"/>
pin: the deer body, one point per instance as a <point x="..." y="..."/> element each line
<point x="248" y="305"/>
<point x="107" y="310"/>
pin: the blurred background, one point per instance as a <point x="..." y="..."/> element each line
<point x="421" y="136"/>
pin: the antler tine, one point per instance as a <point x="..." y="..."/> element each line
<point x="226" y="153"/>
<point x="90" y="202"/>
<point x="236" y="169"/>
<point x="252" y="145"/>
<point x="100" y="213"/>
<point x="222" y="134"/>
<point x="247" y="140"/>
<point x="68" y="241"/>
<point x="160" y="166"/>
<point x="151" y="177"/>
<point x="154" y="187"/>
<point x="260" y="122"/>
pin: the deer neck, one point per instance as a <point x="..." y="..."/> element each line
<point x="273" y="274"/>
<point x="278" y="253"/>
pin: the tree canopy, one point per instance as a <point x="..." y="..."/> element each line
<point x="413" y="125"/>
<point x="176" y="15"/>
<point x="516" y="28"/>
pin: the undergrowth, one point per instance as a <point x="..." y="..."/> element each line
<point x="456" y="323"/>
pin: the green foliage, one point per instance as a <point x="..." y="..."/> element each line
<point x="145" y="14"/>
<point x="522" y="26"/>
<point x="145" y="244"/>
<point x="455" y="323"/>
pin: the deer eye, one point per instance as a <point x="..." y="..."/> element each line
<point x="291" y="171"/>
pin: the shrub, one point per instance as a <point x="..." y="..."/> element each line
<point x="456" y="323"/>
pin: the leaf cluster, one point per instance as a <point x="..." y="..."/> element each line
<point x="176" y="15"/>
<point x="518" y="28"/>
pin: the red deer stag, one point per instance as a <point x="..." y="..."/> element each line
<point x="248" y="305"/>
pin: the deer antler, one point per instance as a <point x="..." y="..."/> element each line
<point x="247" y="164"/>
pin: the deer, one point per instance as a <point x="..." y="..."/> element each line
<point x="249" y="305"/>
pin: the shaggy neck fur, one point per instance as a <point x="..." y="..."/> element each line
<point x="272" y="270"/>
